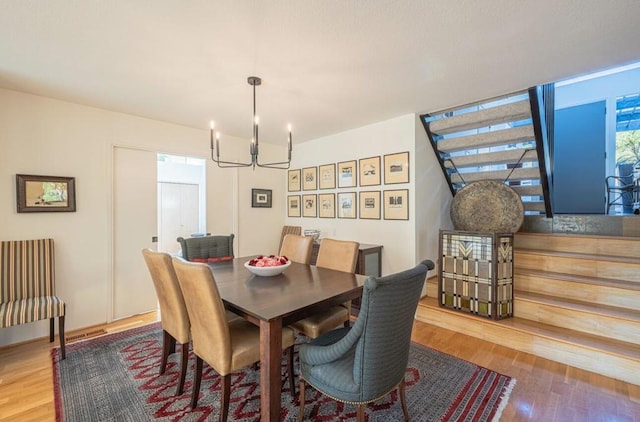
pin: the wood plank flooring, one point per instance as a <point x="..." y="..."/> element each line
<point x="545" y="390"/>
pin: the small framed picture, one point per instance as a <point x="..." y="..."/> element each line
<point x="293" y="206"/>
<point x="347" y="204"/>
<point x="327" y="176"/>
<point x="309" y="206"/>
<point x="294" y="180"/>
<point x="260" y="198"/>
<point x="327" y="205"/>
<point x="347" y="174"/>
<point x="45" y="193"/>
<point x="369" y="172"/>
<point x="370" y="205"/>
<point x="309" y="178"/>
<point x="396" y="204"/>
<point x="396" y="168"/>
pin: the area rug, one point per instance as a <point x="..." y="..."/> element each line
<point x="115" y="378"/>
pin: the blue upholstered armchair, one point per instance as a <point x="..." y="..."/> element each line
<point x="207" y="248"/>
<point x="363" y="363"/>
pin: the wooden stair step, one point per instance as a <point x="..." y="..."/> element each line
<point x="528" y="173"/>
<point x="609" y="357"/>
<point x="596" y="245"/>
<point x="533" y="206"/>
<point x="515" y="135"/>
<point x="593" y="318"/>
<point x="510" y="112"/>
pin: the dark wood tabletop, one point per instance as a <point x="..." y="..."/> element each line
<point x="274" y="302"/>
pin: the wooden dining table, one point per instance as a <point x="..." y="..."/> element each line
<point x="275" y="302"/>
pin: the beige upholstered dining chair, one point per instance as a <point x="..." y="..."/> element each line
<point x="226" y="346"/>
<point x="289" y="230"/>
<point x="174" y="318"/>
<point x="340" y="255"/>
<point x="297" y="248"/>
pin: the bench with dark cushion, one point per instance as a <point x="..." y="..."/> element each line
<point x="207" y="248"/>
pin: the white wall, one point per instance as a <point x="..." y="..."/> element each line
<point x="405" y="242"/>
<point x="44" y="136"/>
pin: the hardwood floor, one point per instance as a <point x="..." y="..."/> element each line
<point x="545" y="390"/>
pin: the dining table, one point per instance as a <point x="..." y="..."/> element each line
<point x="276" y="301"/>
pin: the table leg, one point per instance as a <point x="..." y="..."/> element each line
<point x="270" y="383"/>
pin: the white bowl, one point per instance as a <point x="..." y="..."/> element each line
<point x="267" y="271"/>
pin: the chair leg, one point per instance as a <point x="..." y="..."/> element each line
<point x="184" y="360"/>
<point x="51" y="328"/>
<point x="403" y="399"/>
<point x="61" y="336"/>
<point x="361" y="412"/>
<point x="301" y="400"/>
<point x="168" y="347"/>
<point x="292" y="381"/>
<point x="197" y="377"/>
<point x="224" y="397"/>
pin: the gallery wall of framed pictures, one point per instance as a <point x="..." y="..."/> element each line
<point x="308" y="197"/>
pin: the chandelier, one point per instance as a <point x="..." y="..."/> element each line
<point x="254" y="146"/>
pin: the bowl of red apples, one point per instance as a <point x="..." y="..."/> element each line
<point x="268" y="265"/>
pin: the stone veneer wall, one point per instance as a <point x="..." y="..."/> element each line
<point x="602" y="225"/>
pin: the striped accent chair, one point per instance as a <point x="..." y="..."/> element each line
<point x="27" y="285"/>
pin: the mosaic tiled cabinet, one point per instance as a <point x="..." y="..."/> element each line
<point x="476" y="273"/>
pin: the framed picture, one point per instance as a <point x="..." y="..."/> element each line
<point x="347" y="204"/>
<point x="260" y="198"/>
<point x="327" y="205"/>
<point x="396" y="168"/>
<point x="370" y="205"/>
<point x="294" y="180"/>
<point x="347" y="174"/>
<point x="396" y="204"/>
<point x="369" y="172"/>
<point x="327" y="176"/>
<point x="293" y="206"/>
<point x="309" y="206"/>
<point x="45" y="193"/>
<point x="309" y="178"/>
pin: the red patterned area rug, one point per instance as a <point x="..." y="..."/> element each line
<point x="115" y="378"/>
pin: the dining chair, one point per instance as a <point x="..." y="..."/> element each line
<point x="227" y="346"/>
<point x="340" y="255"/>
<point x="297" y="248"/>
<point x="289" y="230"/>
<point x="363" y="363"/>
<point x="174" y="317"/>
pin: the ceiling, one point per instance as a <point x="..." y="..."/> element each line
<point x="327" y="65"/>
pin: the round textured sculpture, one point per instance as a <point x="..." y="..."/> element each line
<point x="487" y="206"/>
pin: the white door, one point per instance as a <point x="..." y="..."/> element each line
<point x="178" y="206"/>
<point x="135" y="224"/>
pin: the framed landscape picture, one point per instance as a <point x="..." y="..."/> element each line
<point x="327" y="176"/>
<point x="45" y="193"/>
<point x="370" y="205"/>
<point x="347" y="174"/>
<point x="294" y="180"/>
<point x="327" y="205"/>
<point x="347" y="205"/>
<point x="309" y="178"/>
<point x="396" y="204"/>
<point x="309" y="206"/>
<point x="396" y="168"/>
<point x="369" y="171"/>
<point x="293" y="206"/>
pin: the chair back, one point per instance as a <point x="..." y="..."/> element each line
<point x="209" y="325"/>
<point x="207" y="248"/>
<point x="340" y="255"/>
<point x="173" y="311"/>
<point x="297" y="230"/>
<point x="26" y="269"/>
<point x="384" y="328"/>
<point x="297" y="248"/>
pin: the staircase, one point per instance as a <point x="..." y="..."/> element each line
<point x="504" y="139"/>
<point x="577" y="301"/>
